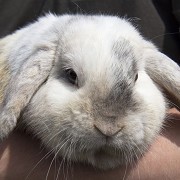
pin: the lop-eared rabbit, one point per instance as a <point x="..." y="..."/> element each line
<point x="91" y="88"/>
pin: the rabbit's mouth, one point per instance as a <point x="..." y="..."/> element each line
<point x="106" y="151"/>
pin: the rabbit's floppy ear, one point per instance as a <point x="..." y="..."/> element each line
<point x="25" y="65"/>
<point x="26" y="60"/>
<point x="165" y="72"/>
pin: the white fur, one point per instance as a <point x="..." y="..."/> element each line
<point x="63" y="116"/>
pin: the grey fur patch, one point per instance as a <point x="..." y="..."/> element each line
<point x="125" y="75"/>
<point x="124" y="52"/>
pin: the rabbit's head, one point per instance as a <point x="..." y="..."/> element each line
<point x="90" y="87"/>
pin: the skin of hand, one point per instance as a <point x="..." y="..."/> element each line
<point x="22" y="157"/>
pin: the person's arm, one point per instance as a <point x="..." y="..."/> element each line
<point x="20" y="154"/>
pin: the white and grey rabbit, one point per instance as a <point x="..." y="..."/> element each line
<point x="90" y="87"/>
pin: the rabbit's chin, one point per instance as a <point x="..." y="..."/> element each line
<point x="105" y="160"/>
<point x="106" y="157"/>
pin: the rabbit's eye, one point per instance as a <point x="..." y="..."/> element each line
<point x="136" y="77"/>
<point x="71" y="76"/>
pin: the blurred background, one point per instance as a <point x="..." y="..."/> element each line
<point x="157" y="20"/>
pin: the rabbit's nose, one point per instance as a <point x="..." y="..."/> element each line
<point x="108" y="129"/>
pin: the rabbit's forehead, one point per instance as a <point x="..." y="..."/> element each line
<point x="98" y="41"/>
<point x="98" y="52"/>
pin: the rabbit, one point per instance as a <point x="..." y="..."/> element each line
<point x="90" y="87"/>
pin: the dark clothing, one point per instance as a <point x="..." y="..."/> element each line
<point x="157" y="20"/>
